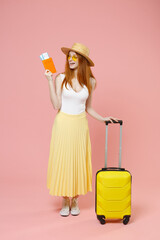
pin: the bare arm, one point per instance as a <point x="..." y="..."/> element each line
<point x="91" y="111"/>
<point x="54" y="90"/>
<point x="89" y="108"/>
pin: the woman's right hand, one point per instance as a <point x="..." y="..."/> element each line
<point x="48" y="74"/>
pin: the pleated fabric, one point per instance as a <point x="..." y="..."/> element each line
<point x="69" y="166"/>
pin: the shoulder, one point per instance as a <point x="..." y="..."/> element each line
<point x="58" y="82"/>
<point x="93" y="82"/>
<point x="59" y="77"/>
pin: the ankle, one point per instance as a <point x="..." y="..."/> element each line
<point x="66" y="197"/>
<point x="76" y="197"/>
<point x="65" y="201"/>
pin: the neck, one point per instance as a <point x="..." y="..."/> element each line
<point x="75" y="73"/>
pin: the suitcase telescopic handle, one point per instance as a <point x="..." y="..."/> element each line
<point x="120" y="144"/>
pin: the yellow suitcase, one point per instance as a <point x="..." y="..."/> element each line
<point x="113" y="189"/>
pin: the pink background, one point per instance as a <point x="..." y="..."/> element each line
<point x="123" y="37"/>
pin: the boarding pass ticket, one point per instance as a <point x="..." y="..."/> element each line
<point x="44" y="56"/>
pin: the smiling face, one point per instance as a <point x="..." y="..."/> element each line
<point x="73" y="60"/>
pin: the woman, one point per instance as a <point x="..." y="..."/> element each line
<point x="69" y="167"/>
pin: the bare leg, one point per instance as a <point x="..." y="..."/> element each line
<point x="75" y="196"/>
<point x="66" y="197"/>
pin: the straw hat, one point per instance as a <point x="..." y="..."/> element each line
<point x="81" y="49"/>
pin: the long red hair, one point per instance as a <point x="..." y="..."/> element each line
<point x="84" y="73"/>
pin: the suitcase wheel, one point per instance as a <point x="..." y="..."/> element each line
<point x="126" y="219"/>
<point x="101" y="218"/>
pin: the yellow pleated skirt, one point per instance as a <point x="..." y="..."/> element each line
<point x="69" y="166"/>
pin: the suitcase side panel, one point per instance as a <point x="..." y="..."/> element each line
<point x="113" y="193"/>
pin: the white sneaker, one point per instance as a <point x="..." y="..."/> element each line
<point x="65" y="207"/>
<point x="74" y="207"/>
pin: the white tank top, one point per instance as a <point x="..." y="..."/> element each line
<point x="73" y="102"/>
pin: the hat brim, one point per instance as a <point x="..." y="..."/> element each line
<point x="66" y="51"/>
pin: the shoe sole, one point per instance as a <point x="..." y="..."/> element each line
<point x="64" y="215"/>
<point x="75" y="214"/>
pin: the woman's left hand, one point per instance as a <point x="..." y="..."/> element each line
<point x="110" y="119"/>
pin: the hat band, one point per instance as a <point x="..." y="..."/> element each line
<point x="80" y="49"/>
